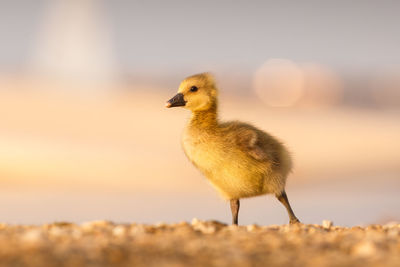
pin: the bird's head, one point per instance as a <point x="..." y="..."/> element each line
<point x="196" y="93"/>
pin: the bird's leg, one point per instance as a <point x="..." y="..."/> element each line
<point x="284" y="200"/>
<point x="235" y="204"/>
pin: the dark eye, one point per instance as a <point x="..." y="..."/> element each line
<point x="193" y="89"/>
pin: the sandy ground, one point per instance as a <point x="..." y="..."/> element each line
<point x="199" y="243"/>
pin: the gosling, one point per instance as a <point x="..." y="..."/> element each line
<point x="238" y="159"/>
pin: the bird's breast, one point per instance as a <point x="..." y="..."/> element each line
<point x="201" y="151"/>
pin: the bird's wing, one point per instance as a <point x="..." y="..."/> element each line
<point x="248" y="140"/>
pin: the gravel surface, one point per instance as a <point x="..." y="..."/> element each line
<point x="199" y="243"/>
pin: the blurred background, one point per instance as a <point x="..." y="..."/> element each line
<point x="84" y="134"/>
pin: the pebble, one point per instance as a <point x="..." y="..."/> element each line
<point x="32" y="236"/>
<point x="138" y="230"/>
<point x="365" y="249"/>
<point x="195" y="221"/>
<point x="204" y="227"/>
<point x="56" y="231"/>
<point x="252" y="228"/>
<point x="327" y="224"/>
<point x="119" y="231"/>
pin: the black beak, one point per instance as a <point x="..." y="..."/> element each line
<point x="176" y="101"/>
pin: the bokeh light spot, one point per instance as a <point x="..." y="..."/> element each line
<point x="279" y="83"/>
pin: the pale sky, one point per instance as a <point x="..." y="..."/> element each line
<point x="246" y="33"/>
<point x="176" y="35"/>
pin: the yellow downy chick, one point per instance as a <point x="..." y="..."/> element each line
<point x="237" y="158"/>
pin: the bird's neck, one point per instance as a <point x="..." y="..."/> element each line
<point x="205" y="118"/>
